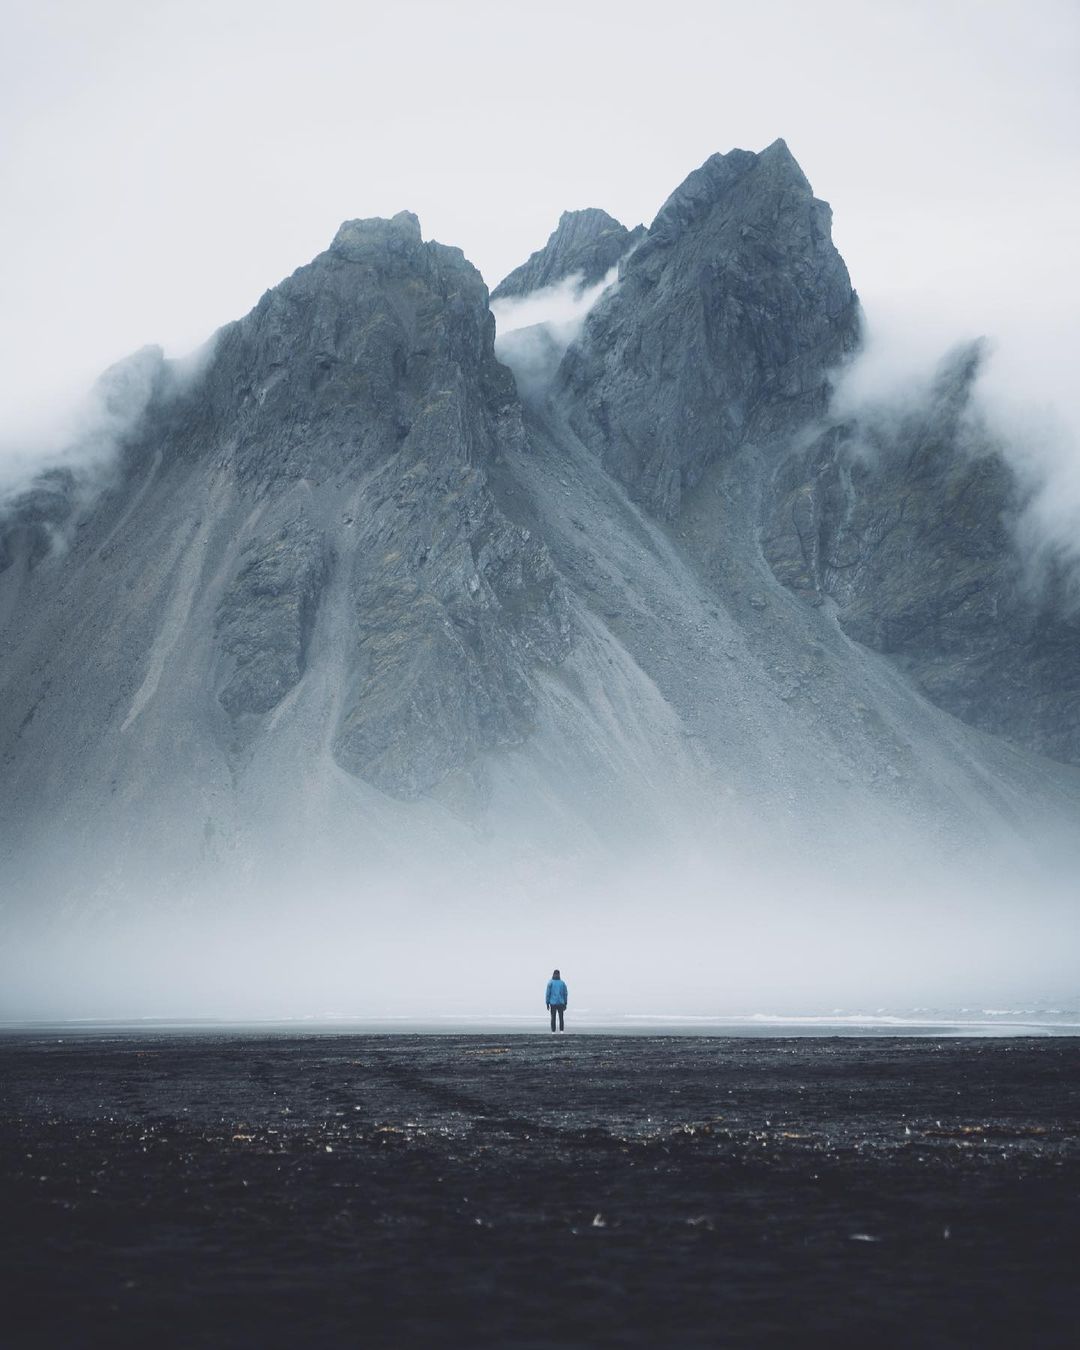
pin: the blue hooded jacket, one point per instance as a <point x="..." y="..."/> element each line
<point x="557" y="994"/>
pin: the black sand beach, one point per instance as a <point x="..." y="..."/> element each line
<point x="252" y="1190"/>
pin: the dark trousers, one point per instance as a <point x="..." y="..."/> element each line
<point x="559" y="1008"/>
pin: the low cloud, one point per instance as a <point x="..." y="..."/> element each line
<point x="53" y="468"/>
<point x="533" y="331"/>
<point x="82" y="437"/>
<point x="560" y="308"/>
<point x="1022" y="402"/>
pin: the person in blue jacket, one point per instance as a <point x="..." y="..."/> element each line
<point x="556" y="998"/>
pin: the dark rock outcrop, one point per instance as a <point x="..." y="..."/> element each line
<point x="381" y="338"/>
<point x="586" y="244"/>
<point x="452" y="606"/>
<point x="727" y="319"/>
<point x="265" y="618"/>
<point x="339" y="440"/>
<point x="374" y="365"/>
<point x="907" y="520"/>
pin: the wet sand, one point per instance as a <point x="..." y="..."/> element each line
<point x="219" y="1189"/>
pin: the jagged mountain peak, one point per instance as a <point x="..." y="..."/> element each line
<point x="741" y="183"/>
<point x="727" y="319"/>
<point x="395" y="240"/>
<point x="378" y="231"/>
<point x="586" y="222"/>
<point x="585" y="244"/>
<point x="333" y="365"/>
<point x="349" y="581"/>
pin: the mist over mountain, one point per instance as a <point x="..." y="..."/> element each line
<point x="366" y="622"/>
<point x="584" y="245"/>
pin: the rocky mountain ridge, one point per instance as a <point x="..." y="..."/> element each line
<point x="350" y="584"/>
<point x="584" y="245"/>
<point x="911" y="529"/>
<point x="727" y="321"/>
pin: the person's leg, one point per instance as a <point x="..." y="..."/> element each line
<point x="562" y="1010"/>
<point x="553" y="1017"/>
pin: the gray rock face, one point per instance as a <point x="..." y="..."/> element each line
<point x="265" y="619"/>
<point x="376" y="363"/>
<point x="727" y="323"/>
<point x="346" y="579"/>
<point x="453" y="605"/>
<point x="727" y="318"/>
<point x="584" y="243"/>
<point x="909" y="525"/>
<point x="381" y="338"/>
<point x="340" y="437"/>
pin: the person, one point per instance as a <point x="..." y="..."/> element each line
<point x="556" y="998"/>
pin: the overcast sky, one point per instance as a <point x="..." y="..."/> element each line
<point x="162" y="162"/>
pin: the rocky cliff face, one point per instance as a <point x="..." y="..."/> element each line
<point x="585" y="245"/>
<point x="396" y="387"/>
<point x="380" y="347"/>
<point x="726" y="322"/>
<point x="336" y="443"/>
<point x="348" y="586"/>
<point x="908" y="522"/>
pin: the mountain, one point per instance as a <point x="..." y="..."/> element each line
<point x="349" y="592"/>
<point x="584" y="245"/>
<point x="722" y="332"/>
<point x="910" y="528"/>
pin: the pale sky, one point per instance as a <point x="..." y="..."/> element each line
<point x="163" y="162"/>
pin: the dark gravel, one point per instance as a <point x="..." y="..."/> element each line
<point x="399" y="1191"/>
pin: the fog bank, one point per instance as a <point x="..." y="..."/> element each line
<point x="741" y="930"/>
